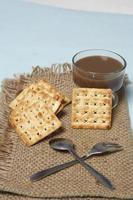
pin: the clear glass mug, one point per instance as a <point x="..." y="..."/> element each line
<point x="83" y="78"/>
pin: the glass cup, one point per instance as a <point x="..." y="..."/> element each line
<point x="86" y="78"/>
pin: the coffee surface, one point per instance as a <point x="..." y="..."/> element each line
<point x="99" y="64"/>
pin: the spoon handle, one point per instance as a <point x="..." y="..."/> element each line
<point x="101" y="178"/>
<point x="46" y="172"/>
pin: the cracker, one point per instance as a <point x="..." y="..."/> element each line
<point x="63" y="104"/>
<point x="43" y="85"/>
<point x="34" y="123"/>
<point x="53" y="92"/>
<point x="91" y="108"/>
<point x="30" y="96"/>
<point x="41" y="90"/>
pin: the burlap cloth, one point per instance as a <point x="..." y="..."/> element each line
<point x="18" y="162"/>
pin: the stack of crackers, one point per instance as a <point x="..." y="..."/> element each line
<point x="34" y="111"/>
<point x="91" y="108"/>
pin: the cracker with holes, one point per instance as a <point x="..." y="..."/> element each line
<point x="30" y="96"/>
<point x="34" y="123"/>
<point x="91" y="108"/>
<point x="41" y="90"/>
<point x="52" y="91"/>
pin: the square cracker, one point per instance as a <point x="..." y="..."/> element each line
<point x="30" y="96"/>
<point x="34" y="123"/>
<point x="91" y="108"/>
<point x="53" y="92"/>
<point x="41" y="90"/>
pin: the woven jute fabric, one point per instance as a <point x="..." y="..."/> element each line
<point x="18" y="162"/>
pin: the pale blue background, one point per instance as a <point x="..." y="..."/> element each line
<point x="32" y="34"/>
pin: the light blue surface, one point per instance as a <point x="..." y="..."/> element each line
<point x="32" y="34"/>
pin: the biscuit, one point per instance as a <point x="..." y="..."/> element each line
<point x="49" y="88"/>
<point x="30" y="96"/>
<point x="91" y="108"/>
<point x="34" y="123"/>
<point x="41" y="90"/>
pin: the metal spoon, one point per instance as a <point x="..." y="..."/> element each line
<point x="63" y="144"/>
<point x="98" y="149"/>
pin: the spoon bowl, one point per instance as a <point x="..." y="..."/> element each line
<point x="61" y="144"/>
